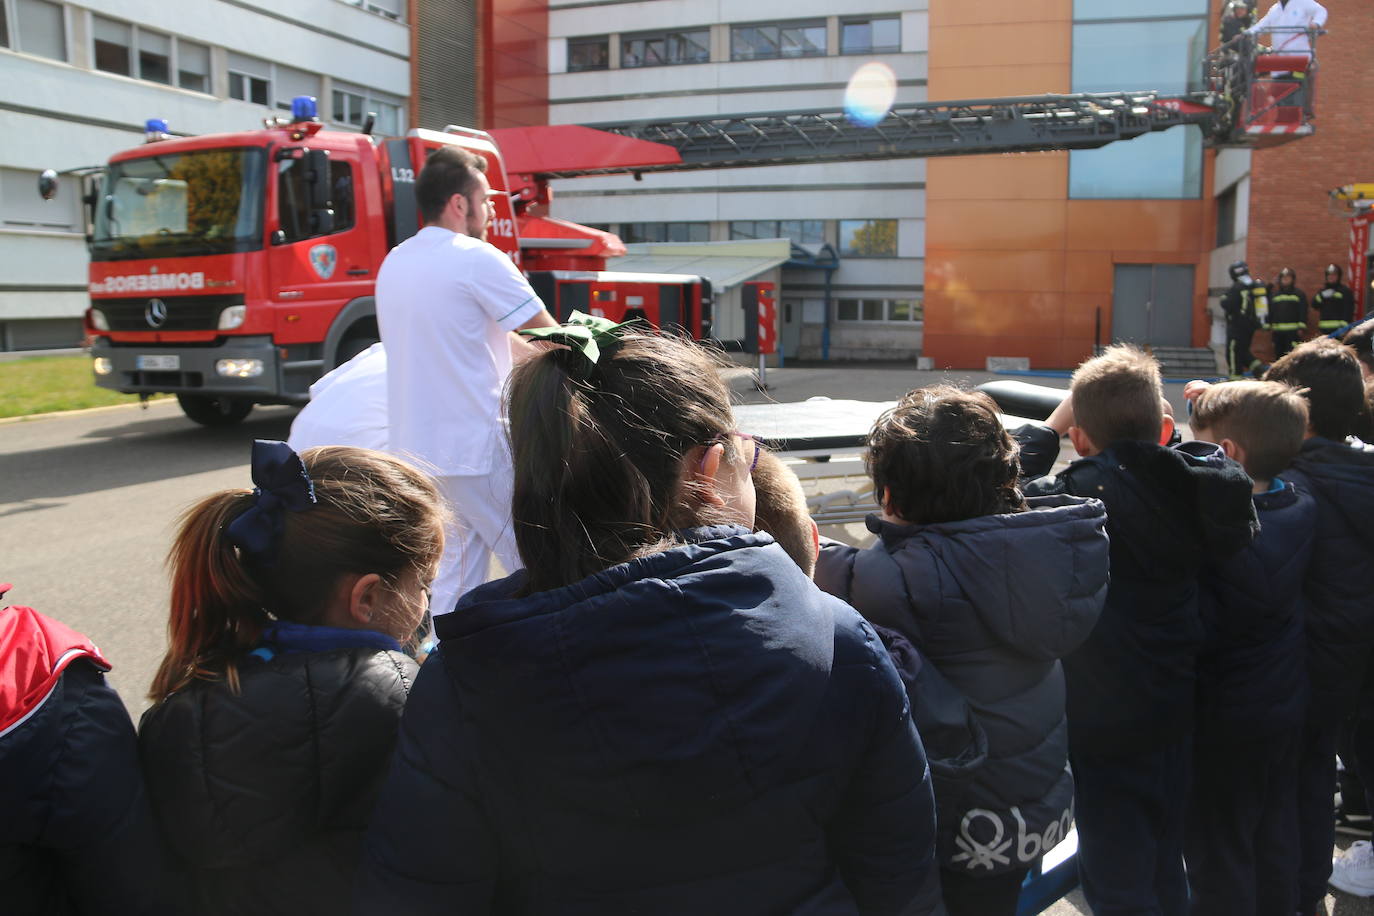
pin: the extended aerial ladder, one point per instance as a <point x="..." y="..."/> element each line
<point x="1355" y="202"/>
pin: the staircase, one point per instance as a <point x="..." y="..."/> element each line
<point x="1186" y="362"/>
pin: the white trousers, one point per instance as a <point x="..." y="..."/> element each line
<point x="479" y="527"/>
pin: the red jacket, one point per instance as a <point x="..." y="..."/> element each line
<point x="34" y="651"/>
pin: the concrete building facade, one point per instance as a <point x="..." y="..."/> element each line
<point x="614" y="61"/>
<point x="78" y="81"/>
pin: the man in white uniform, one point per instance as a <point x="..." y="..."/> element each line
<point x="1291" y="15"/>
<point x="447" y="304"/>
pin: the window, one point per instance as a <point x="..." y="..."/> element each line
<point x="22" y="208"/>
<point x="113" y="44"/>
<point x="193" y="66"/>
<point x="657" y="49"/>
<point x="1226" y="217"/>
<point x="868" y="238"/>
<point x="1131" y="9"/>
<point x="40" y="28"/>
<point x="1163" y="54"/>
<point x="249" y="79"/>
<point x="665" y="232"/>
<point x="288" y="82"/>
<point x="154" y="57"/>
<point x="293" y="199"/>
<point x="391" y="9"/>
<point x="875" y="35"/>
<point x="800" y="231"/>
<point x="588" y="53"/>
<point x="352" y="103"/>
<point x="769" y="40"/>
<point x="4" y="27"/>
<point x="879" y="310"/>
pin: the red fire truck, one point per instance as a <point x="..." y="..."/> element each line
<point x="235" y="269"/>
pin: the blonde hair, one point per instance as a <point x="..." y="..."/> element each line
<point x="1118" y="397"/>
<point x="1266" y="419"/>
<point x="780" y="510"/>
<point x="375" y="514"/>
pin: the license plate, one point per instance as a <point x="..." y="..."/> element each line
<point x="160" y="363"/>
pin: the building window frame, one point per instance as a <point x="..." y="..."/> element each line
<point x="641" y="232"/>
<point x="594" y="43"/>
<point x="143" y="40"/>
<point x="377" y="9"/>
<point x="631" y="59"/>
<point x="880" y="310"/>
<point x="368" y="100"/>
<point x="780" y="28"/>
<point x="851" y="227"/>
<point x="12" y="33"/>
<point x="737" y="230"/>
<point x="847" y="22"/>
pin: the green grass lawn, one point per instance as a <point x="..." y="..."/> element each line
<point x="42" y="384"/>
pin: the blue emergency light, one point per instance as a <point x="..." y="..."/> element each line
<point x="303" y="108"/>
<point x="154" y="129"/>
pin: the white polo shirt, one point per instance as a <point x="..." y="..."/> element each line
<point x="445" y="303"/>
<point x="1296" y="14"/>
<point x="347" y="406"/>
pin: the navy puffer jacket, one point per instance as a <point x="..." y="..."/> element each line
<point x="696" y="731"/>
<point x="1340" y="610"/>
<point x="993" y="603"/>
<point x="1252" y="679"/>
<point x="1132" y="684"/>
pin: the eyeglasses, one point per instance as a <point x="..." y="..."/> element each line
<point x="745" y="436"/>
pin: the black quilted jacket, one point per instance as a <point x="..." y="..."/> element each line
<point x="265" y="794"/>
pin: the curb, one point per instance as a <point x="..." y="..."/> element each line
<point x="5" y="421"/>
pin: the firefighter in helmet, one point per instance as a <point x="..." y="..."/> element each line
<point x="1287" y="312"/>
<point x="1334" y="303"/>
<point x="1236" y="18"/>
<point x="1246" y="305"/>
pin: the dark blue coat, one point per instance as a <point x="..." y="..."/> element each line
<point x="1131" y="684"/>
<point x="77" y="834"/>
<point x="1252" y="680"/>
<point x="993" y="603"/>
<point x="697" y="731"/>
<point x="1339" y="619"/>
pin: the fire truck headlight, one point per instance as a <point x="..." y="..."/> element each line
<point x="239" y="368"/>
<point x="232" y="317"/>
<point x="102" y="365"/>
<point x="99" y="321"/>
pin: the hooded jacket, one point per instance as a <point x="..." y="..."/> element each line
<point x="1169" y="510"/>
<point x="993" y="603"/>
<point x="1252" y="679"/>
<point x="696" y="731"/>
<point x="265" y="793"/>
<point x="77" y="834"/>
<point x="1339" y="620"/>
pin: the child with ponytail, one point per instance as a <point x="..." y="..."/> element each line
<point x="660" y="713"/>
<point x="278" y="700"/>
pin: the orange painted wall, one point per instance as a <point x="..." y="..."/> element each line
<point x="1013" y="267"/>
<point x="514" y="62"/>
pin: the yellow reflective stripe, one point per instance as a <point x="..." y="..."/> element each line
<point x="1287" y="326"/>
<point x="1332" y="323"/>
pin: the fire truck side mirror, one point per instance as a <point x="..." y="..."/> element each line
<point x="48" y="184"/>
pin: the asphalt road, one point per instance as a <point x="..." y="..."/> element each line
<point x="89" y="502"/>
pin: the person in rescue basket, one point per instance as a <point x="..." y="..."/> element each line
<point x="993" y="589"/>
<point x="1130" y="685"/>
<point x="660" y="713"/>
<point x="1334" y="303"/>
<point x="1252" y="683"/>
<point x="279" y="696"/>
<point x="77" y="835"/>
<point x="1287" y="312"/>
<point x="1339" y="615"/>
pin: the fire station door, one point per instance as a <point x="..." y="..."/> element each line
<point x="1153" y="304"/>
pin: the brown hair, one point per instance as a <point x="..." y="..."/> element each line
<point x="375" y="514"/>
<point x="449" y="170"/>
<point x="942" y="455"/>
<point x="1117" y="397"/>
<point x="599" y="455"/>
<point x="1329" y="375"/>
<point x="1266" y="419"/>
<point x="1360" y="338"/>
<point x="780" y="510"/>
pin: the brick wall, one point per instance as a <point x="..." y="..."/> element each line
<point x="1290" y="222"/>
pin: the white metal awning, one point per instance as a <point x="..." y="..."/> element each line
<point x="725" y="264"/>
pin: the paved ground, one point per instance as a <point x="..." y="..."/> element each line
<point x="88" y="504"/>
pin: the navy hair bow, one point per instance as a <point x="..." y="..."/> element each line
<point x="282" y="485"/>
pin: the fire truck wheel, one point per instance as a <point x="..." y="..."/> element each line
<point x="352" y="345"/>
<point x="214" y="411"/>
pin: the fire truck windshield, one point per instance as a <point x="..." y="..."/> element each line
<point x="180" y="204"/>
